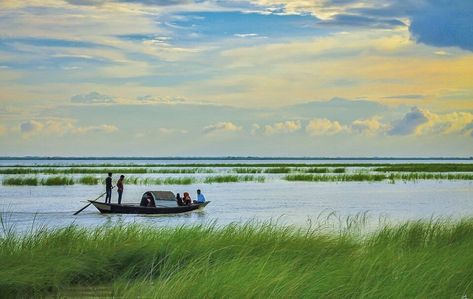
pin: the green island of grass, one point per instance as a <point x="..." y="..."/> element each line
<point x="412" y="260"/>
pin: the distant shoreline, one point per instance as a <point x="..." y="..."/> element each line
<point x="232" y="158"/>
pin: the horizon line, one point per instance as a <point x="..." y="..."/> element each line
<point x="28" y="157"/>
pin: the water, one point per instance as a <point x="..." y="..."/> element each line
<point x="292" y="203"/>
<point x="142" y="161"/>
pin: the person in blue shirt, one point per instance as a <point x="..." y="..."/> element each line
<point x="200" y="197"/>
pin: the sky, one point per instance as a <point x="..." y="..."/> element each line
<point x="236" y="78"/>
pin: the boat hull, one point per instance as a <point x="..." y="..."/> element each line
<point x="111" y="208"/>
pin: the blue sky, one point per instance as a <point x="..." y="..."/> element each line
<point x="254" y="77"/>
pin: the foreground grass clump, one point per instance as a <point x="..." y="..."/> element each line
<point x="415" y="259"/>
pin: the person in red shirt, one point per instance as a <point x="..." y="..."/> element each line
<point x="187" y="199"/>
<point x="120" y="188"/>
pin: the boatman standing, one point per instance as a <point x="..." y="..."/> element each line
<point x="120" y="188"/>
<point x="108" y="188"/>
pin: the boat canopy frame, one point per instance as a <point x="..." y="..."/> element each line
<point x="160" y="195"/>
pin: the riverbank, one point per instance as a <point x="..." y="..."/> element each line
<point x="415" y="259"/>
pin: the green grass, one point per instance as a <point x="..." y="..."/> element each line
<point x="57" y="181"/>
<point x="89" y="180"/>
<point x="17" y="181"/>
<point x="247" y="170"/>
<point x="427" y="168"/>
<point x="81" y="170"/>
<point x="277" y="170"/>
<point x="367" y="177"/>
<point x="34" y="181"/>
<point x="314" y="170"/>
<point x="182" y="170"/>
<point x="233" y="179"/>
<point x="415" y="259"/>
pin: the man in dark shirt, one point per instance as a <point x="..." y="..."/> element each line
<point x="120" y="188"/>
<point x="108" y="188"/>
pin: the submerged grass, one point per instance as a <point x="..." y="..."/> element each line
<point x="367" y="177"/>
<point x="415" y="259"/>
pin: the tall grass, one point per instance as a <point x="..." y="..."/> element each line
<point x="81" y="170"/>
<point x="33" y="181"/>
<point x="427" y="168"/>
<point x="17" y="181"/>
<point x="415" y="259"/>
<point x="247" y="170"/>
<point x="57" y="181"/>
<point x="362" y="177"/>
<point x="233" y="179"/>
<point x="89" y="180"/>
<point x="277" y="170"/>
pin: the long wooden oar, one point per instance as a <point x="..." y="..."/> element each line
<point x="91" y="203"/>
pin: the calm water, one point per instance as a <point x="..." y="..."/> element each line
<point x="55" y="161"/>
<point x="286" y="202"/>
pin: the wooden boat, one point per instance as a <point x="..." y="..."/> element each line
<point x="165" y="202"/>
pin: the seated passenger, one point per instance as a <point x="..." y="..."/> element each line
<point x="200" y="197"/>
<point x="144" y="201"/>
<point x="151" y="202"/>
<point x="187" y="199"/>
<point x="179" y="200"/>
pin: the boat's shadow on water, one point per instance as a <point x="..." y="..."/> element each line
<point x="113" y="219"/>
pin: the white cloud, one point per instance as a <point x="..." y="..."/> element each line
<point x="93" y="98"/>
<point x="168" y="131"/>
<point x="161" y="100"/>
<point x="323" y="126"/>
<point x="368" y="126"/>
<point x="422" y="121"/>
<point x="246" y="35"/>
<point x="221" y="127"/>
<point x="447" y="123"/>
<point x="283" y="127"/>
<point x="61" y="127"/>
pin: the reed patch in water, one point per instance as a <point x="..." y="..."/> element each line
<point x="367" y="177"/>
